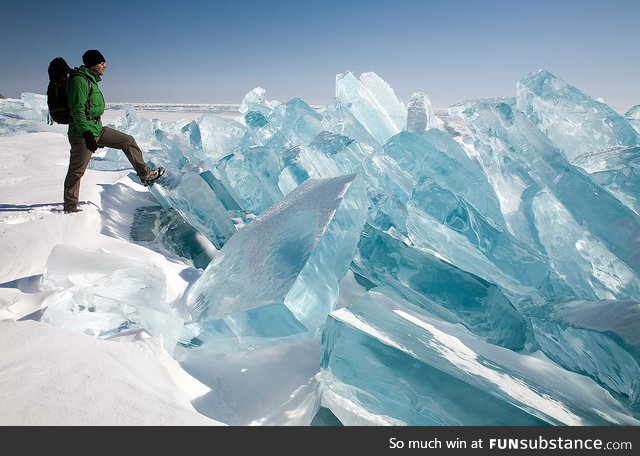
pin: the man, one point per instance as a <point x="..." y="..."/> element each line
<point x="86" y="132"/>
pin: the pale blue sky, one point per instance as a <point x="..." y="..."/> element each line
<point x="216" y="52"/>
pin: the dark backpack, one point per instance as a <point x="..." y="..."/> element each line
<point x="60" y="73"/>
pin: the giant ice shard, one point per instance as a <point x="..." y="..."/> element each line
<point x="279" y="275"/>
<point x="102" y="294"/>
<point x="175" y="151"/>
<point x="251" y="176"/>
<point x="29" y="114"/>
<point x="297" y="121"/>
<point x="256" y="100"/>
<point x="618" y="170"/>
<point x="165" y="230"/>
<point x="440" y="288"/>
<point x="633" y="117"/>
<point x="330" y="155"/>
<point x="261" y="132"/>
<point x="378" y="119"/>
<point x="338" y="118"/>
<point x="420" y="114"/>
<point x="407" y="157"/>
<point x="226" y="198"/>
<point x="218" y="137"/>
<point x="189" y="194"/>
<point x="293" y="173"/>
<point x="385" y="97"/>
<point x="440" y="221"/>
<point x="587" y="266"/>
<point x="524" y="165"/>
<point x="595" y="338"/>
<point x="575" y="122"/>
<point x="384" y="363"/>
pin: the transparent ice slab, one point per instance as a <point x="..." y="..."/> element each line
<point x="279" y="275"/>
<point x="386" y="364"/>
<point x="574" y="121"/>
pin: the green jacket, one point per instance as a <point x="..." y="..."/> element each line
<point x="77" y="96"/>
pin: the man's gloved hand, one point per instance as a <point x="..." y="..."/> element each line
<point x="90" y="141"/>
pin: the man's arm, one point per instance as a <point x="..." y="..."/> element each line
<point x="77" y="95"/>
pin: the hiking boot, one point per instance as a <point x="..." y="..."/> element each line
<point x="154" y="176"/>
<point x="71" y="209"/>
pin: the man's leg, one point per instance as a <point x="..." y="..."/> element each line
<point x="126" y="143"/>
<point x="78" y="162"/>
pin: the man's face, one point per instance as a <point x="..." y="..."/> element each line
<point x="99" y="68"/>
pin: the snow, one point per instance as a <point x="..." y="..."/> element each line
<point x="52" y="377"/>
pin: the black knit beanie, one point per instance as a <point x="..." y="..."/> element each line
<point x="92" y="57"/>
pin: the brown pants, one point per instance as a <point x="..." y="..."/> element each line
<point x="80" y="156"/>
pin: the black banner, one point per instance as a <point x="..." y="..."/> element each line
<point x="612" y="441"/>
